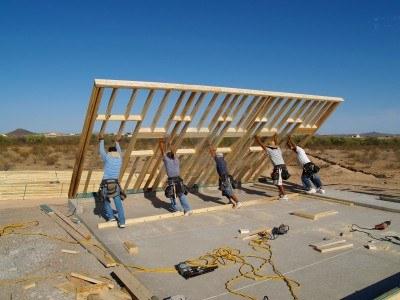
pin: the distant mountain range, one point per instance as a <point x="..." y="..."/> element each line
<point x="24" y="132"/>
<point x="20" y="132"/>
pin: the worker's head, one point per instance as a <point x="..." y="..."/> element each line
<point x="272" y="144"/>
<point x="170" y="155"/>
<point x="291" y="146"/>
<point x="112" y="149"/>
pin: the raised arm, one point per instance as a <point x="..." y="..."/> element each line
<point x="212" y="150"/>
<point x="290" y="143"/>
<point x="161" y="144"/>
<point x="172" y="148"/>
<point x="256" y="137"/>
<point x="102" y="151"/>
<point x="117" y="139"/>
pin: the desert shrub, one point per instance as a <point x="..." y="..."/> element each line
<point x="51" y="160"/>
<point x="6" y="165"/>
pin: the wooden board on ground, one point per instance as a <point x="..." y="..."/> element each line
<point x="314" y="215"/>
<point x="131" y="247"/>
<point x="334" y="248"/>
<point x="222" y="207"/>
<point x="327" y="243"/>
<point x="90" y="279"/>
<point x="226" y="113"/>
<point x="93" y="246"/>
<point x="134" y="286"/>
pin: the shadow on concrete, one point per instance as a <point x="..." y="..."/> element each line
<point x="98" y="205"/>
<point x="376" y="289"/>
<point x="208" y="198"/>
<point x="252" y="192"/>
<point x="156" y="201"/>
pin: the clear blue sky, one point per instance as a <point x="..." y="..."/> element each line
<point x="50" y="52"/>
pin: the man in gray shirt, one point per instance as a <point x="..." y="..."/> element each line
<point x="280" y="171"/>
<point x="175" y="187"/>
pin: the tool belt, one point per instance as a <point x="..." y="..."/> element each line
<point x="175" y="187"/>
<point x="310" y="169"/>
<point x="225" y="180"/>
<point x="284" y="172"/>
<point x="110" y="188"/>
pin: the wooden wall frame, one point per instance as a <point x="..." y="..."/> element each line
<point x="198" y="115"/>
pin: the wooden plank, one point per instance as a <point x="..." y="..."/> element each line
<point x="119" y="118"/>
<point x="315" y="215"/>
<point x="132" y="221"/>
<point x="131" y="247"/>
<point x="109" y="109"/>
<point x="90" y="279"/>
<point x="93" y="106"/>
<point x="132" y="284"/>
<point x="128" y="110"/>
<point x="92" y="246"/>
<point x="83" y="234"/>
<point x="393" y="294"/>
<point x="335" y="248"/>
<point x="328" y="243"/>
<point x="202" y="88"/>
<point x="69" y="251"/>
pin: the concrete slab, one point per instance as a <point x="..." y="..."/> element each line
<point x="322" y="276"/>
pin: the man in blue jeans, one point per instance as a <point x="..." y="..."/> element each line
<point x="175" y="187"/>
<point x="110" y="187"/>
<point x="310" y="178"/>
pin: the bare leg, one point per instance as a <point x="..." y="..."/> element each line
<point x="281" y="190"/>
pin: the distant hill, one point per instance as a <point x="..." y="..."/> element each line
<point x="20" y="132"/>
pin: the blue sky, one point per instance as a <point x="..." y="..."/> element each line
<point x="50" y="52"/>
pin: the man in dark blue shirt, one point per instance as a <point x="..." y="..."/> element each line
<point x="225" y="183"/>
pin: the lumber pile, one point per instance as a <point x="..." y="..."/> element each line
<point x="331" y="245"/>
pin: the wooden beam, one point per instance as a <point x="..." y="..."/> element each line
<point x="202" y="88"/>
<point x="137" y="290"/>
<point x="314" y="215"/>
<point x="222" y="207"/>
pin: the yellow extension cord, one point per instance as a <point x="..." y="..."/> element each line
<point x="221" y="257"/>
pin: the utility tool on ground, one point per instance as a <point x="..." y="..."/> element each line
<point x="191" y="271"/>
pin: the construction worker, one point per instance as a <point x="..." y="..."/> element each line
<point x="175" y="186"/>
<point x="225" y="183"/>
<point x="311" y="181"/>
<point x="280" y="171"/>
<point x="110" y="187"/>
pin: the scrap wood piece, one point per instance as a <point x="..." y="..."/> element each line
<point x="335" y="248"/>
<point x="29" y="285"/>
<point x="314" y="216"/>
<point x="93" y="288"/>
<point x="133" y="221"/>
<point x="90" y="279"/>
<point x="256" y="232"/>
<point x="393" y="294"/>
<point x="327" y="243"/>
<point x="131" y="247"/>
<point x="69" y="251"/>
<point x="86" y="235"/>
<point x="133" y="285"/>
<point x="92" y="246"/>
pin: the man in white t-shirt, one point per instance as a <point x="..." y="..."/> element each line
<point x="311" y="181"/>
<point x="280" y="171"/>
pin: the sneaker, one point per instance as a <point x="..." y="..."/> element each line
<point x="284" y="197"/>
<point x="111" y="220"/>
<point x="311" y="191"/>
<point x="188" y="213"/>
<point x="122" y="225"/>
<point x="321" y="191"/>
<point x="239" y="205"/>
